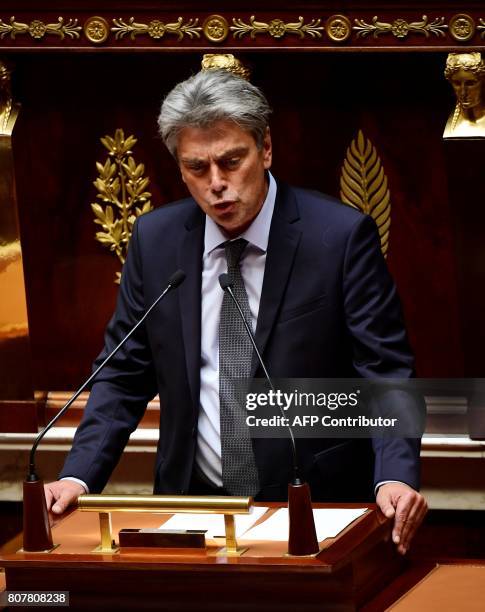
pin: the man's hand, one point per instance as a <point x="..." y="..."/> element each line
<point x="62" y="493"/>
<point x="408" y="508"/>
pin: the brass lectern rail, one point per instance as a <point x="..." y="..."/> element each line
<point x="167" y="504"/>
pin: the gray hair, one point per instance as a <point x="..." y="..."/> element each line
<point x="210" y="96"/>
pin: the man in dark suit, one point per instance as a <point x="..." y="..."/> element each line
<point x="316" y="291"/>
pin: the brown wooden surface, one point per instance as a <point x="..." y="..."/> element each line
<point x="350" y="570"/>
<point x="434" y="587"/>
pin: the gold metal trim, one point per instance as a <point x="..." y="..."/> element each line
<point x="481" y="27"/>
<point x="122" y="189"/>
<point x="169" y="504"/>
<point x="166" y="504"/>
<point x="363" y="185"/>
<point x="462" y="27"/>
<point x="38" y="29"/>
<point x="156" y="29"/>
<point x="96" y="29"/>
<point x="231" y="549"/>
<point x="338" y="28"/>
<point x="107" y="544"/>
<point x="400" y="28"/>
<point x="225" y="61"/>
<point x="276" y="28"/>
<point x="215" y="28"/>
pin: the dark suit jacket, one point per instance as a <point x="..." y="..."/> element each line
<point x="328" y="309"/>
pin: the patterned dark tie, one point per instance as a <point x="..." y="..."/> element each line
<point x="239" y="472"/>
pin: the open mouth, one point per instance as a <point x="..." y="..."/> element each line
<point x="224" y="206"/>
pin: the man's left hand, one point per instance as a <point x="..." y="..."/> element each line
<point x="408" y="508"/>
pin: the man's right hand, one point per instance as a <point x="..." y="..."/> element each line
<point x="62" y="493"/>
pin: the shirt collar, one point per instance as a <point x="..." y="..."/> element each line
<point x="257" y="233"/>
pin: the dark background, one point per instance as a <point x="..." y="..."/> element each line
<point x="320" y="100"/>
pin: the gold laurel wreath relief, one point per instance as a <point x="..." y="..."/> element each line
<point x="363" y="185"/>
<point x="122" y="191"/>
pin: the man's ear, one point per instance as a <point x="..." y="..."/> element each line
<point x="267" y="150"/>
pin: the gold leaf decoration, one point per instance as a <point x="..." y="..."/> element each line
<point x="481" y="27"/>
<point x="156" y="28"/>
<point x="122" y="191"/>
<point x="400" y="27"/>
<point x="38" y="29"/>
<point x="276" y="28"/>
<point x="363" y="185"/>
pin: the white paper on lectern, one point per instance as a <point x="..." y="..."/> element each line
<point x="329" y="522"/>
<point x="213" y="523"/>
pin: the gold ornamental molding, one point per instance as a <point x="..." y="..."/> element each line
<point x="400" y="27"/>
<point x="338" y="28"/>
<point x="462" y="27"/>
<point x="96" y="30"/>
<point x="363" y="185"/>
<point x="215" y="28"/>
<point x="156" y="28"/>
<point x="481" y="27"/>
<point x="38" y="29"/>
<point x="276" y="28"/>
<point x="122" y="190"/>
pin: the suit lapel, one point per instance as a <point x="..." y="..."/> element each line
<point x="284" y="237"/>
<point x="190" y="260"/>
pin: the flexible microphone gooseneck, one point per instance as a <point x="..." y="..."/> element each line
<point x="302" y="537"/>
<point x="37" y="531"/>
<point x="227" y="286"/>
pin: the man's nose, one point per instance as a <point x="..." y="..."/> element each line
<point x="217" y="179"/>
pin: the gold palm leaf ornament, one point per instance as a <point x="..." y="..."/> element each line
<point x="363" y="185"/>
<point x="122" y="191"/>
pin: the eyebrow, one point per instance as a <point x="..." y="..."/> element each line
<point x="230" y="153"/>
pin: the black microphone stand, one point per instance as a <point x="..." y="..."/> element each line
<point x="37" y="536"/>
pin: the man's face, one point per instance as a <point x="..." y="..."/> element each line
<point x="225" y="173"/>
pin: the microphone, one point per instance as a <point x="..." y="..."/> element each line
<point x="37" y="532"/>
<point x="302" y="538"/>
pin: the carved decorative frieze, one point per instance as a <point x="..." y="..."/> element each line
<point x="156" y="28"/>
<point x="270" y="30"/>
<point x="400" y="27"/>
<point x="38" y="29"/>
<point x="276" y="28"/>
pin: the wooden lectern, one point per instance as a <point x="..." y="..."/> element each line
<point x="348" y="571"/>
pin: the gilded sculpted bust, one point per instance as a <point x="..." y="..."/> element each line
<point x="466" y="72"/>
